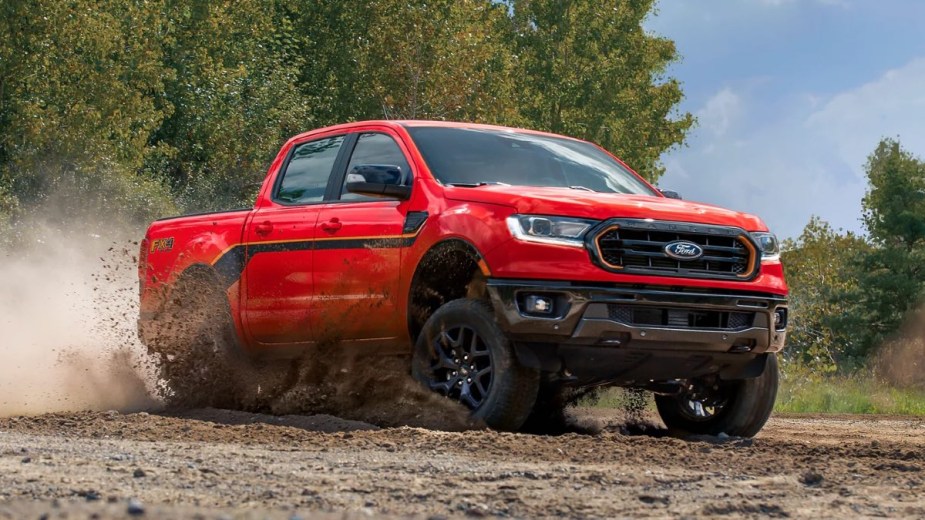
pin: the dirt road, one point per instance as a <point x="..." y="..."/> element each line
<point x="215" y="463"/>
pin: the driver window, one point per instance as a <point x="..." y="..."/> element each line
<point x="372" y="148"/>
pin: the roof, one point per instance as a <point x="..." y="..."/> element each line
<point x="410" y="123"/>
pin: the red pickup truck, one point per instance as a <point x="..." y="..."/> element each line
<point x="508" y="265"/>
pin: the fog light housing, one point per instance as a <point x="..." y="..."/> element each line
<point x="780" y="319"/>
<point x="536" y="304"/>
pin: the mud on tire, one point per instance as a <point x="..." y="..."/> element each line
<point x="742" y="406"/>
<point x="196" y="349"/>
<point x="463" y="354"/>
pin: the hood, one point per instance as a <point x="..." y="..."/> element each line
<point x="601" y="206"/>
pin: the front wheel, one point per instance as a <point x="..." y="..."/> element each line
<point x="463" y="354"/>
<point x="712" y="406"/>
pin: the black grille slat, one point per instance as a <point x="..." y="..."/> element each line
<point x="674" y="317"/>
<point x="624" y="247"/>
<point x="724" y="249"/>
<point x="736" y="260"/>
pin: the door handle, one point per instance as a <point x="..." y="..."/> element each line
<point x="264" y="228"/>
<point x="332" y="225"/>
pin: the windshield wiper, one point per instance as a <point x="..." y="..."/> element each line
<point x="580" y="188"/>
<point x="476" y="184"/>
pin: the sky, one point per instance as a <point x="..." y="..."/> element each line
<point x="791" y="96"/>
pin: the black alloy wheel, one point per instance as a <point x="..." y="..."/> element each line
<point x="464" y="355"/>
<point x="462" y="368"/>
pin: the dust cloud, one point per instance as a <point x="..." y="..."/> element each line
<point x="67" y="326"/>
<point x="901" y="361"/>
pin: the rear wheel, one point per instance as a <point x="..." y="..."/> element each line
<point x="197" y="352"/>
<point x="462" y="354"/>
<point x="711" y="406"/>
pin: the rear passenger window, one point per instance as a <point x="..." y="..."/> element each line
<point x="306" y="176"/>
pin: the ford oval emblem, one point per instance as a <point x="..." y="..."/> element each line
<point x="683" y="250"/>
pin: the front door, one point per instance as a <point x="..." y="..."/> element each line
<point x="279" y="253"/>
<point x="358" y="254"/>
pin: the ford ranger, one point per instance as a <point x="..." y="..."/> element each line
<point x="508" y="265"/>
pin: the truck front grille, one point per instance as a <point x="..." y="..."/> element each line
<point x="633" y="246"/>
<point x="680" y="318"/>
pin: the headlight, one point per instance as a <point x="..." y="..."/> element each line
<point x="768" y="245"/>
<point x="561" y="231"/>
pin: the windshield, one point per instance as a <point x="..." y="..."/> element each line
<point x="471" y="157"/>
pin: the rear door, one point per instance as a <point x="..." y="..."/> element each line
<point x="278" y="261"/>
<point x="358" y="252"/>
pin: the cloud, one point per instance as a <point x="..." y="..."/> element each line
<point x="777" y="3"/>
<point x="893" y="105"/>
<point x="720" y="112"/>
<point x="806" y="156"/>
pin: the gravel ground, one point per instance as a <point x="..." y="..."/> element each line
<point x="217" y="463"/>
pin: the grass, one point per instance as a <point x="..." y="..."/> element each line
<point x="798" y="394"/>
<point x="862" y="395"/>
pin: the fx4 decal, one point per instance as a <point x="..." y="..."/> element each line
<point x="161" y="244"/>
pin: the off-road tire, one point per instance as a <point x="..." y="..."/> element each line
<point x="748" y="407"/>
<point x="548" y="415"/>
<point x="197" y="351"/>
<point x="513" y="388"/>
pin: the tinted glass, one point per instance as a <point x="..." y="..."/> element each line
<point x="375" y="149"/>
<point x="471" y="156"/>
<point x="307" y="174"/>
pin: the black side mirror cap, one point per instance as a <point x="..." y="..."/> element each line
<point x="378" y="180"/>
<point x="670" y="194"/>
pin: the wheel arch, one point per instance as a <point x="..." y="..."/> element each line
<point x="196" y="274"/>
<point x="451" y="269"/>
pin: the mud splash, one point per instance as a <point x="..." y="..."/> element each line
<point x="326" y="380"/>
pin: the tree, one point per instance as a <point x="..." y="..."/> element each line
<point x="588" y="69"/>
<point x="137" y="108"/>
<point x="818" y="265"/>
<point x="382" y="59"/>
<point x="891" y="276"/>
<point x="74" y="111"/>
<point x="231" y="97"/>
<point x="446" y="59"/>
<point x="894" y="206"/>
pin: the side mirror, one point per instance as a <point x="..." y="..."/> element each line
<point x="670" y="194"/>
<point x="378" y="180"/>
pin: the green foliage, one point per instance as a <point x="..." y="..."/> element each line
<point x="588" y="69"/>
<point x="894" y="206"/>
<point x="818" y="266"/>
<point x="135" y="108"/>
<point x="8" y="206"/>
<point x="447" y="59"/>
<point x="381" y="59"/>
<point x="851" y="296"/>
<point x="76" y="111"/>
<point x="803" y="391"/>
<point x="231" y="97"/>
<point x="891" y="276"/>
<point x="855" y="302"/>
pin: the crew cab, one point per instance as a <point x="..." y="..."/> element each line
<point x="509" y="265"/>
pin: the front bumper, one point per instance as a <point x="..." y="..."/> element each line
<point x="609" y="332"/>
